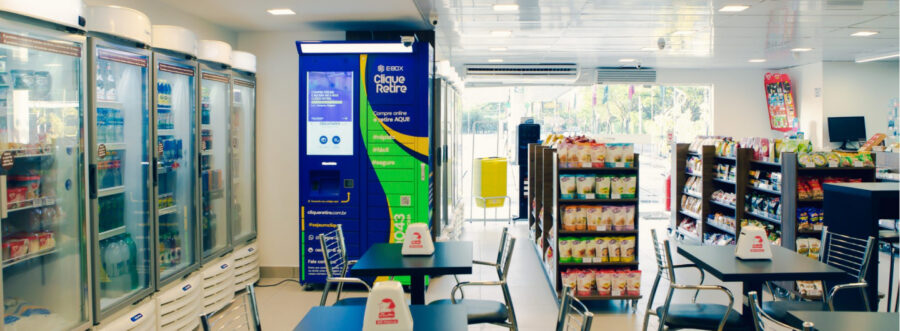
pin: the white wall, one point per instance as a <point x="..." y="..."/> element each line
<point x="806" y="81"/>
<point x="277" y="124"/>
<point x="738" y="97"/>
<point x="161" y="13"/>
<point x="860" y="89"/>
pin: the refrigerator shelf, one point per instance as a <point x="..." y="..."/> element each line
<point x="109" y="104"/>
<point x="111" y="191"/>
<point x="31" y="152"/>
<point x="214" y="194"/>
<point x="206" y="152"/>
<point x="15" y="261"/>
<point x="165" y="132"/>
<point x="30" y="204"/>
<point x="168" y="210"/>
<point x="112" y="232"/>
<point x="115" y="146"/>
<point x="54" y="104"/>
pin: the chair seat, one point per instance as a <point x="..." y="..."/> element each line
<point x="351" y="302"/>
<point x="888" y="236"/>
<point x="701" y="316"/>
<point x="779" y="309"/>
<point x="480" y="311"/>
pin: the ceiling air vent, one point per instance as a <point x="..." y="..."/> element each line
<point x="561" y="72"/>
<point x="625" y="75"/>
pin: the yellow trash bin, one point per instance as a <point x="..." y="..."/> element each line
<point x="489" y="181"/>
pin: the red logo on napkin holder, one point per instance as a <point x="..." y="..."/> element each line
<point x="417" y="242"/>
<point x="386" y="313"/>
<point x="757" y="245"/>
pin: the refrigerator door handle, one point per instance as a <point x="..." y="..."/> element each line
<point x="4" y="207"/>
<point x="92" y="180"/>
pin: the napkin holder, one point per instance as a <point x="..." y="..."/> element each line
<point x="417" y="240"/>
<point x="386" y="309"/>
<point x="753" y="244"/>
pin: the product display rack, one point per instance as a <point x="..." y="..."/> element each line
<point x="632" y="265"/>
<point x="681" y="174"/>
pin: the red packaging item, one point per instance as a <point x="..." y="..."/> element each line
<point x="16" y="194"/>
<point x="46" y="240"/>
<point x="31" y="183"/>
<point x="15" y="248"/>
<point x="634" y="283"/>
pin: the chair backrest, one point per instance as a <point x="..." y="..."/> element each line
<point x="573" y="314"/>
<point x="763" y="322"/>
<point x="508" y="244"/>
<point x="334" y="252"/>
<point x="502" y="247"/>
<point x="847" y="253"/>
<point x="240" y="314"/>
<point x="663" y="257"/>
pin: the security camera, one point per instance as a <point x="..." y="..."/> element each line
<point x="433" y="18"/>
<point x="407" y="40"/>
<point x="661" y="43"/>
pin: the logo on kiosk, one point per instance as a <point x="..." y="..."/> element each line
<point x="386" y="314"/>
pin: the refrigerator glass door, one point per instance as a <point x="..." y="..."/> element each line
<point x="122" y="157"/>
<point x="42" y="182"/>
<point x="215" y="99"/>
<point x="176" y="166"/>
<point x="243" y="179"/>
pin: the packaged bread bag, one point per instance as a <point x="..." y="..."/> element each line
<point x="570" y="278"/>
<point x="629" y="187"/>
<point x="604" y="281"/>
<point x="629" y="218"/>
<point x="602" y="247"/>
<point x="594" y="216"/>
<point x="614" y="252"/>
<point x="619" y="284"/>
<point x="584" y="155"/>
<point x="613" y="155"/>
<point x="591" y="246"/>
<point x="598" y="155"/>
<point x="585" y="283"/>
<point x="565" y="250"/>
<point x="628" y="154"/>
<point x="579" y="249"/>
<point x="584" y="186"/>
<point x="618" y="218"/>
<point x="616" y="187"/>
<point x="634" y="283"/>
<point x="581" y="218"/>
<point x="626" y="248"/>
<point x="570" y="213"/>
<point x="602" y="186"/>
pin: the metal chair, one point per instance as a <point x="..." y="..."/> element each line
<point x="761" y="321"/>
<point x="487" y="311"/>
<point x="570" y="307"/>
<point x="500" y="248"/>
<point x="334" y="252"/>
<point x="703" y="316"/>
<point x="240" y="314"/>
<point x="662" y="268"/>
<point x="843" y="252"/>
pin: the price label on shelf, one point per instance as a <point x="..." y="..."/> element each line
<point x="590" y="196"/>
<point x="616" y="196"/>
<point x="857" y="163"/>
<point x="833" y="164"/>
<point x="7" y="160"/>
<point x="620" y="164"/>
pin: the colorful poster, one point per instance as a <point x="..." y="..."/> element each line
<point x="780" y="102"/>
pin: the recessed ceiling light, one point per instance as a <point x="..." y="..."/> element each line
<point x="733" y="8"/>
<point x="506" y="7"/>
<point x="756" y="60"/>
<point x="876" y="57"/>
<point x="497" y="49"/>
<point x="627" y="60"/>
<point x="281" y="11"/>
<point x="801" y="49"/>
<point x="495" y="60"/>
<point x="683" y="32"/>
<point x="864" y="33"/>
<point x="501" y="33"/>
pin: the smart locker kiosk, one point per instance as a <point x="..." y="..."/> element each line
<point x="365" y="113"/>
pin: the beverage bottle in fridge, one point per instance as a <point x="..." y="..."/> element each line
<point x="130" y="248"/>
<point x="111" y="93"/>
<point x="100" y="88"/>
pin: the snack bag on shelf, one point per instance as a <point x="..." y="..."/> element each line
<point x="876" y="140"/>
<point x="629" y="188"/>
<point x="626" y="245"/>
<point x="572" y="151"/>
<point x="581" y="218"/>
<point x="606" y="218"/>
<point x="585" y="283"/>
<point x="602" y="187"/>
<point x="567" y="187"/>
<point x="602" y="246"/>
<point x="565" y="250"/>
<point x="613" y="155"/>
<point x="584" y="155"/>
<point x="598" y="155"/>
<point x="562" y="153"/>
<point x="584" y="186"/>
<point x="579" y="249"/>
<point x="628" y="154"/>
<point x="569" y="215"/>
<point x="802" y="246"/>
<point x="594" y="218"/>
<point x="618" y="213"/>
<point x="617" y="187"/>
<point x="814" y="246"/>
<point x="591" y="254"/>
<point x="620" y="284"/>
<point x="604" y="282"/>
<point x="634" y="283"/>
<point x="569" y="278"/>
<point x="629" y="218"/>
<point x="865" y="160"/>
<point x="614" y="250"/>
<point x="803" y="222"/>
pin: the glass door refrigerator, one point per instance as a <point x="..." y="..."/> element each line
<point x="215" y="110"/>
<point x="120" y="172"/>
<point x="177" y="183"/>
<point x="45" y="275"/>
<point x="243" y="148"/>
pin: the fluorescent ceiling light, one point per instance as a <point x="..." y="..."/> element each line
<point x="501" y="33"/>
<point x="649" y="49"/>
<point x="355" y="48"/>
<point x="756" y="60"/>
<point x="801" y="49"/>
<point x="876" y="57"/>
<point x="733" y="8"/>
<point x="627" y="60"/>
<point x="506" y="7"/>
<point x="683" y="33"/>
<point x="281" y="11"/>
<point x="864" y="33"/>
<point x="495" y="60"/>
<point x="497" y="49"/>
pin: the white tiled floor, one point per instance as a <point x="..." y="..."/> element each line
<point x="283" y="306"/>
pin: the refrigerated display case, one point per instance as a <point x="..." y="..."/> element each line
<point x="120" y="179"/>
<point x="177" y="193"/>
<point x="243" y="148"/>
<point x="215" y="109"/>
<point x="42" y="171"/>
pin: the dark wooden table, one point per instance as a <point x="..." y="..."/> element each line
<point x="854" y="209"/>
<point x="449" y="258"/>
<point x="350" y="318"/>
<point x="720" y="261"/>
<point x="847" y="320"/>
